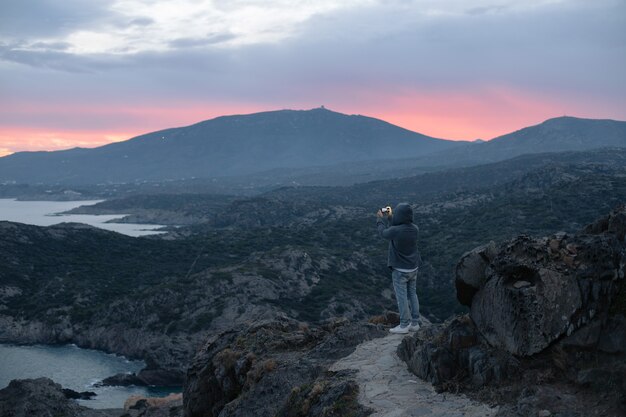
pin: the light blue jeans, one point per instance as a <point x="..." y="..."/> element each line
<point x="404" y="284"/>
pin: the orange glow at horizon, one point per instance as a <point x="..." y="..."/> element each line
<point x="29" y="139"/>
<point x="132" y="121"/>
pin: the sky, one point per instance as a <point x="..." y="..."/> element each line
<point x="86" y="73"/>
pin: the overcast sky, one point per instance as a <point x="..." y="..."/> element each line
<point x="83" y="73"/>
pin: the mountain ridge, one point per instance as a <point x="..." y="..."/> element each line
<point x="227" y="145"/>
<point x="290" y="140"/>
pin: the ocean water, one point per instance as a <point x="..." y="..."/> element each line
<point x="45" y="213"/>
<point x="74" y="368"/>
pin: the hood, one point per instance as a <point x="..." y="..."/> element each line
<point x="402" y="214"/>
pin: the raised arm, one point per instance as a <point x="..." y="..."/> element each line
<point x="382" y="224"/>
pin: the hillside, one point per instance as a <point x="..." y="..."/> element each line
<point x="554" y="135"/>
<point x="226" y="146"/>
<point x="284" y="204"/>
<point x="309" y="258"/>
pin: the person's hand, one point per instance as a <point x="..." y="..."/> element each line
<point x="379" y="214"/>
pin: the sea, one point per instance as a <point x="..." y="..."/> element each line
<point x="77" y="369"/>
<point x="47" y="213"/>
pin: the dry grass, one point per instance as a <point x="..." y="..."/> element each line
<point x="226" y="358"/>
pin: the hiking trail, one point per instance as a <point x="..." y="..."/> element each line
<point x="387" y="386"/>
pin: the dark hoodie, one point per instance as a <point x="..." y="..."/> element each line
<point x="402" y="235"/>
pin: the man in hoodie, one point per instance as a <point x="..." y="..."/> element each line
<point x="403" y="260"/>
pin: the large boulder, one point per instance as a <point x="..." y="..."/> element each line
<point x="546" y="332"/>
<point x="529" y="292"/>
<point x="470" y="272"/>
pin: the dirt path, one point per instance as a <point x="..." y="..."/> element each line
<point x="391" y="390"/>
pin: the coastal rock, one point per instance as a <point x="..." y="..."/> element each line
<point x="122" y="380"/>
<point x="75" y="395"/>
<point x="43" y="397"/>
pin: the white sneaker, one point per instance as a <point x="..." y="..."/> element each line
<point x="414" y="327"/>
<point x="399" y="329"/>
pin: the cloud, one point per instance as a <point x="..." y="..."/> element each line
<point x="210" y="39"/>
<point x="376" y="57"/>
<point x="141" y="21"/>
<point x="28" y="19"/>
<point x="50" y="46"/>
<point x="487" y="9"/>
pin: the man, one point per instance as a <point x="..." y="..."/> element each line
<point x="403" y="260"/>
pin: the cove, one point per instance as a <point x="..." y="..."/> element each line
<point x="74" y="368"/>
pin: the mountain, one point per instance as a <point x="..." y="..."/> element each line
<point x="226" y="146"/>
<point x="554" y="135"/>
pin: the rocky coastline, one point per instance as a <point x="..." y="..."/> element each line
<point x="165" y="357"/>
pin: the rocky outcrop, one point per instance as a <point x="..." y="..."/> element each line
<point x="42" y="397"/>
<point x="546" y="332"/>
<point x="530" y="292"/>
<point x="444" y="353"/>
<point x="264" y="367"/>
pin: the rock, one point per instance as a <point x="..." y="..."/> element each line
<point x="614" y="223"/>
<point x="612" y="339"/>
<point x="36" y="397"/>
<point x="545" y="308"/>
<point x="254" y="370"/>
<point x="138" y="402"/>
<point x="531" y="294"/>
<point x="453" y="350"/>
<point x="584" y="338"/>
<point x="390" y="318"/>
<point x="161" y="377"/>
<point x="544" y="413"/>
<point x="527" y="319"/>
<point x="527" y="293"/>
<point x="326" y="397"/>
<point x="602" y="379"/>
<point x="521" y="284"/>
<point x="122" y="380"/>
<point x="470" y="272"/>
<point x="75" y="395"/>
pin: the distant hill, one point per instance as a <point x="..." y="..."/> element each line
<point x="226" y="146"/>
<point x="554" y="135"/>
<point x="308" y="147"/>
